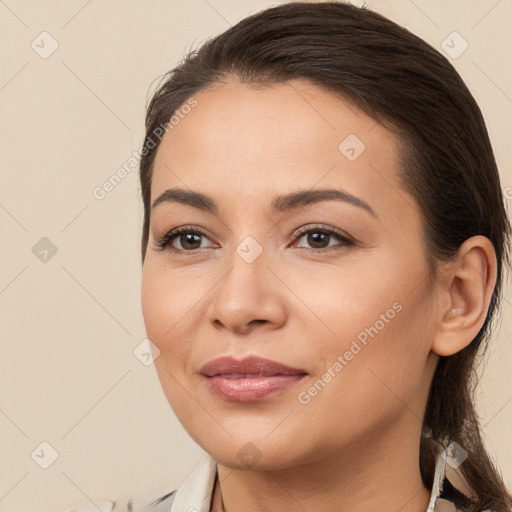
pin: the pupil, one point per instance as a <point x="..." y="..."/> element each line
<point x="315" y="238"/>
<point x="188" y="238"/>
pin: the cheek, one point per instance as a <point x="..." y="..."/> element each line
<point x="345" y="302"/>
<point x="165" y="318"/>
<point x="173" y="310"/>
<point x="368" y="294"/>
<point x="365" y="387"/>
<point x="168" y="301"/>
<point x="376" y="332"/>
<point x="155" y="306"/>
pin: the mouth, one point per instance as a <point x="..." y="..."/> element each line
<point x="249" y="379"/>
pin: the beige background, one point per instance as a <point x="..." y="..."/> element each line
<point x="70" y="324"/>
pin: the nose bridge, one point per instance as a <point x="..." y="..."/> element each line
<point x="247" y="292"/>
<point x="246" y="280"/>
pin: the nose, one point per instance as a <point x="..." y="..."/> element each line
<point x="249" y="296"/>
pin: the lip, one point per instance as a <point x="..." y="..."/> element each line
<point x="248" y="379"/>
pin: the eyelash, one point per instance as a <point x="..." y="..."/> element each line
<point x="163" y="242"/>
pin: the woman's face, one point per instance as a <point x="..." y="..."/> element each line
<point x="333" y="285"/>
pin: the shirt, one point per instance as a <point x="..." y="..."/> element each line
<point x="449" y="490"/>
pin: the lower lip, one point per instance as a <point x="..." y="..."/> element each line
<point x="250" y="389"/>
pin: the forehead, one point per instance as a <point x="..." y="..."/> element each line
<point x="253" y="142"/>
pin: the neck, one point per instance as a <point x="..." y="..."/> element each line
<point x="378" y="475"/>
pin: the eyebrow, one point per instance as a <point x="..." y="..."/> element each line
<point x="280" y="204"/>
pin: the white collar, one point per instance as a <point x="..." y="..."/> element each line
<point x="195" y="493"/>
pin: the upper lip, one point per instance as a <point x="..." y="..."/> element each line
<point x="251" y="365"/>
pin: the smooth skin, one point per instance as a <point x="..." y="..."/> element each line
<point x="354" y="446"/>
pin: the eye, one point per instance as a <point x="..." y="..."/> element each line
<point x="319" y="238"/>
<point x="188" y="237"/>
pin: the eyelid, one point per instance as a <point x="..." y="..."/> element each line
<point x="345" y="239"/>
<point x="322" y="227"/>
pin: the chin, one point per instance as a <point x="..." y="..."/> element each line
<point x="257" y="452"/>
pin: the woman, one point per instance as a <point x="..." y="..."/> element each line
<point x="323" y="251"/>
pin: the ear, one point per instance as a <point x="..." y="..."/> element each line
<point x="463" y="298"/>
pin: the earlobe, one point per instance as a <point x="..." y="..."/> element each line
<point x="467" y="284"/>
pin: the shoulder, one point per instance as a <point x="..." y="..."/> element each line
<point x="194" y="493"/>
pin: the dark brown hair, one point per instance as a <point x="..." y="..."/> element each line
<point x="447" y="164"/>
